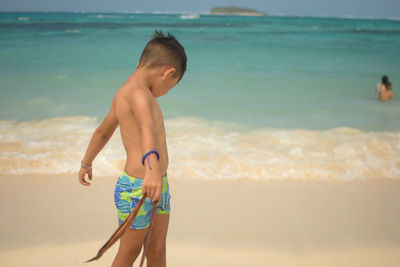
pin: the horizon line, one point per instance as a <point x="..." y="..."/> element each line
<point x="209" y="13"/>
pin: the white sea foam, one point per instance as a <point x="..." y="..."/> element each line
<point x="199" y="148"/>
<point x="23" y="18"/>
<point x="102" y="16"/>
<point x="189" y="16"/>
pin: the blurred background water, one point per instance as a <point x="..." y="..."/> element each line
<point x="280" y="72"/>
<point x="264" y="97"/>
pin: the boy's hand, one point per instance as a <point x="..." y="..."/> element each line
<point x="152" y="185"/>
<point x="81" y="175"/>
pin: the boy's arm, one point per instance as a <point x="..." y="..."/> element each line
<point x="142" y="109"/>
<point x="99" y="139"/>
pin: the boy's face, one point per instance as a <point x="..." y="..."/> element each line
<point x="165" y="82"/>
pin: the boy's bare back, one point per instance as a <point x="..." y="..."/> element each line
<point x="123" y="108"/>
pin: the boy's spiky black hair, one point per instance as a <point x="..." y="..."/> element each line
<point x="164" y="50"/>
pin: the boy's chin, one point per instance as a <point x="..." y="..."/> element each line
<point x="156" y="95"/>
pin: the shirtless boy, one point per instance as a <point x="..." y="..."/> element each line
<point x="135" y="109"/>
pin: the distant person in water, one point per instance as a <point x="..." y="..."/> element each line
<point x="381" y="86"/>
<point x="387" y="93"/>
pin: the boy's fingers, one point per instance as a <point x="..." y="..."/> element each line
<point x="145" y="190"/>
<point x="90" y="175"/>
<point x="157" y="195"/>
<point x="82" y="179"/>
<point x="151" y="194"/>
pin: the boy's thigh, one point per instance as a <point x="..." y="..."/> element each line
<point x="159" y="232"/>
<point x="132" y="240"/>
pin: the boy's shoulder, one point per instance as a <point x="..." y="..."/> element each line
<point x="135" y="97"/>
<point x="135" y="92"/>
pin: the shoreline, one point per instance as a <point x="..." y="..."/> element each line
<point x="208" y="149"/>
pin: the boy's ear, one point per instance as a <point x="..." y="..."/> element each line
<point x="168" y="71"/>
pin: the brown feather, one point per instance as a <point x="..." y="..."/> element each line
<point x="121" y="229"/>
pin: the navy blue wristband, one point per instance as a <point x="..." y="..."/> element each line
<point x="148" y="154"/>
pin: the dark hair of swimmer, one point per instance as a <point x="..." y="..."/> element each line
<point x="385" y="80"/>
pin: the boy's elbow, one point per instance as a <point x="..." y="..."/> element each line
<point x="102" y="133"/>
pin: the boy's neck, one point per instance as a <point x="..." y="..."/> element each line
<point x="142" y="78"/>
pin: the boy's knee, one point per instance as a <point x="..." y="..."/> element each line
<point x="156" y="252"/>
<point x="131" y="253"/>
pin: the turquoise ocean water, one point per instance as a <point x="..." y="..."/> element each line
<point x="301" y="88"/>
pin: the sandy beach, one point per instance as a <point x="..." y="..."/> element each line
<point x="52" y="220"/>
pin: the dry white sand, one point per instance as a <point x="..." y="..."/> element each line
<point x="52" y="220"/>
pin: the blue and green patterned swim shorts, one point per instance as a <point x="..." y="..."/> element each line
<point x="127" y="194"/>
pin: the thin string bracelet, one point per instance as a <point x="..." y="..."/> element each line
<point x="86" y="167"/>
<point x="147" y="156"/>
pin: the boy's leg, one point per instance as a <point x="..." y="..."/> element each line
<point x="156" y="252"/>
<point x="129" y="247"/>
